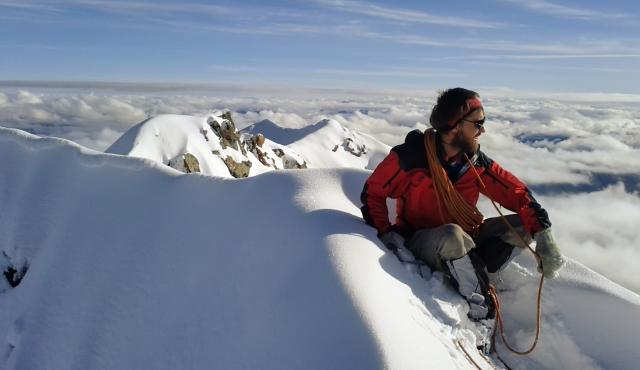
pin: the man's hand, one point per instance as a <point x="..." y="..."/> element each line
<point x="395" y="243"/>
<point x="551" y="259"/>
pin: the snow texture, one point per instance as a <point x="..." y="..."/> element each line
<point x="133" y="265"/>
<point x="326" y="144"/>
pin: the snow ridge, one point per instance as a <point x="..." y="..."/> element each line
<point x="133" y="265"/>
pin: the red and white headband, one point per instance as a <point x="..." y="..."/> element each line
<point x="470" y="105"/>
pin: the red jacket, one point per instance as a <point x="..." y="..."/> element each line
<point x="403" y="175"/>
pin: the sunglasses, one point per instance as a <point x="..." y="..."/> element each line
<point x="479" y="123"/>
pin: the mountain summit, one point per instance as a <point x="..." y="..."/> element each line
<point x="130" y="264"/>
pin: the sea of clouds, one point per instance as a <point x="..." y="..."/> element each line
<point x="580" y="153"/>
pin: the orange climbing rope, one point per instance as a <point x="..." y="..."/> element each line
<point x="469" y="218"/>
<point x="492" y="291"/>
<point x="466" y="215"/>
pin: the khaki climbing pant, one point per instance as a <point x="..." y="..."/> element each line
<point x="494" y="243"/>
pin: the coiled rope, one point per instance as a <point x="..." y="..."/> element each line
<point x="469" y="218"/>
<point x="465" y="214"/>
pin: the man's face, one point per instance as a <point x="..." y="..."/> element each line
<point x="468" y="133"/>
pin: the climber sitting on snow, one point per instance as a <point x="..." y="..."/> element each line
<point x="437" y="191"/>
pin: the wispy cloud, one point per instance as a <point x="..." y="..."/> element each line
<point x="29" y="5"/>
<point x="148" y="8"/>
<point x="270" y="28"/>
<point x="538" y="57"/>
<point x="154" y="7"/>
<point x="233" y="68"/>
<point x="47" y="47"/>
<point x="591" y="47"/>
<point x="388" y="72"/>
<point x="583" y="49"/>
<point x="403" y="15"/>
<point x="557" y="56"/>
<point x="190" y="25"/>
<point x="83" y="48"/>
<point x="530" y="67"/>
<point x="557" y="10"/>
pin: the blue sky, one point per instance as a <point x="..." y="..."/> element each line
<point x="556" y="45"/>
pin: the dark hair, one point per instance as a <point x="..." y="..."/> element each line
<point x="451" y="103"/>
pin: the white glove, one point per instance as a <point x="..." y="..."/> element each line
<point x="551" y="260"/>
<point x="395" y="243"/>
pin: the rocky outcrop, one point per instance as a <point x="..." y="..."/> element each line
<point x="227" y="133"/>
<point x="211" y="145"/>
<point x="352" y="147"/>
<point x="255" y="145"/>
<point x="252" y="144"/>
<point x="289" y="161"/>
<point x="237" y="169"/>
<point x="187" y="163"/>
<point x="191" y="163"/>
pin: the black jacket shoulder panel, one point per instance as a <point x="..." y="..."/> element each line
<point x="412" y="153"/>
<point x="483" y="160"/>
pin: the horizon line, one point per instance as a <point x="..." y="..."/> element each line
<point x="168" y="86"/>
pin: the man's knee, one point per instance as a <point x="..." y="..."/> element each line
<point x="445" y="242"/>
<point x="455" y="242"/>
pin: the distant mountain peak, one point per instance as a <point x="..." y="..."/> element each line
<point x="210" y="145"/>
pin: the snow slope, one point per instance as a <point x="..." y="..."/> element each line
<point x="133" y="265"/>
<point x="166" y="138"/>
<point x="326" y="144"/>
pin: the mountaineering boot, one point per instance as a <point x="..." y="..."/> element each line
<point x="470" y="277"/>
<point x="484" y="335"/>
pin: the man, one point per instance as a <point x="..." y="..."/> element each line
<point x="436" y="178"/>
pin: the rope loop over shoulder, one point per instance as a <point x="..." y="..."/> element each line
<point x="464" y="214"/>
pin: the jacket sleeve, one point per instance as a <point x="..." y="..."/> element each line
<point x="513" y="194"/>
<point x="385" y="182"/>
